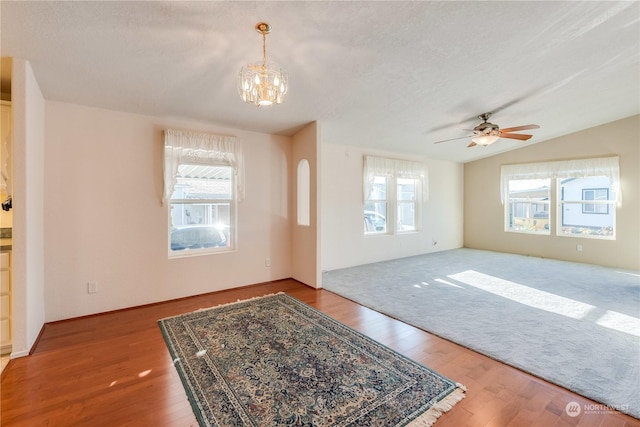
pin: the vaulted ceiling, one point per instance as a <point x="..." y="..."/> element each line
<point x="396" y="75"/>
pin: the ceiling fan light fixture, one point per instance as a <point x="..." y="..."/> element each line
<point x="487" y="133"/>
<point x="263" y="83"/>
<point x="485" y="140"/>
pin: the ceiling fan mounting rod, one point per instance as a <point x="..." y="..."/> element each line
<point x="485" y="117"/>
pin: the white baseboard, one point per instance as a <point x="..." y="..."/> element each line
<point x="17" y="354"/>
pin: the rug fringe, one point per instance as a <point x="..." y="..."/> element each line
<point x="431" y="416"/>
<point x="238" y="301"/>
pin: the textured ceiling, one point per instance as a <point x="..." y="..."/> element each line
<point x="395" y="75"/>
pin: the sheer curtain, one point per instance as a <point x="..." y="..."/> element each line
<point x="181" y="147"/>
<point x="382" y="166"/>
<point x="577" y="168"/>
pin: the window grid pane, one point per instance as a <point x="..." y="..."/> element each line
<point x="406" y="189"/>
<point x="406" y="216"/>
<point x="202" y="217"/>
<point x="586" y="207"/>
<point x="379" y="189"/>
<point x="375" y="209"/>
<point x="527" y="210"/>
<point x="375" y="217"/>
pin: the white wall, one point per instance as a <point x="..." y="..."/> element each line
<point x="28" y="255"/>
<point x="342" y="237"/>
<point x="484" y="214"/>
<point x="105" y="222"/>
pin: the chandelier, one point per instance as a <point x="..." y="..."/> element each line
<point x="262" y="83"/>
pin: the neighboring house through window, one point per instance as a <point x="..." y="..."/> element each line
<point x="587" y="207"/>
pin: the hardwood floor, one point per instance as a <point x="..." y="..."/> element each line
<point x="115" y="370"/>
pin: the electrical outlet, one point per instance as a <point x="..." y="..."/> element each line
<point x="267" y="262"/>
<point x="579" y="248"/>
<point x="92" y="287"/>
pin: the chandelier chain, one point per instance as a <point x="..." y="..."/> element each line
<point x="264" y="50"/>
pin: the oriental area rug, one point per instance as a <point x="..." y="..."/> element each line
<point x="274" y="360"/>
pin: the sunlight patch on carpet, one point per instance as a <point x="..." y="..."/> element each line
<point x="547" y="301"/>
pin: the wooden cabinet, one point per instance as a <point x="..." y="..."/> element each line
<point x="5" y="302"/>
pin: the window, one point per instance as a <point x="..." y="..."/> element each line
<point x="393" y="191"/>
<point x="527" y="208"/>
<point x="203" y="183"/>
<point x="598" y="194"/>
<point x="586" y="193"/>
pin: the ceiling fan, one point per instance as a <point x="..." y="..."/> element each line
<point x="487" y="133"/>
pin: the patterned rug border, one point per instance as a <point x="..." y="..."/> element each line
<point x="426" y="419"/>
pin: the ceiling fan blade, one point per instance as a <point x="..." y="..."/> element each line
<point x="521" y="137"/>
<point x="473" y="144"/>
<point x="517" y="128"/>
<point x="452" y="139"/>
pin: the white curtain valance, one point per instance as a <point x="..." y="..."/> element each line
<point x="182" y="147"/>
<point x="382" y="166"/>
<point x="577" y="168"/>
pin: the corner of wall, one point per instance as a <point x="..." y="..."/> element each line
<point x="28" y="306"/>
